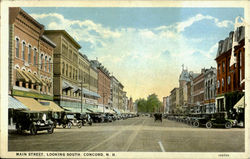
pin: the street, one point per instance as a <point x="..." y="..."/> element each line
<point x="140" y="134"/>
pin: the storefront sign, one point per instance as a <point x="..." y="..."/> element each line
<point x="31" y="94"/>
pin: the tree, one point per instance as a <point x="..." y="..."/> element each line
<point x="153" y="103"/>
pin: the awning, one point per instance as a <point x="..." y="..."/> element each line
<point x="90" y="93"/>
<point x="36" y="78"/>
<point x="240" y="103"/>
<point x="31" y="79"/>
<point x="93" y="110"/>
<point x="117" y="111"/>
<point x="52" y="106"/>
<point x="21" y="76"/>
<point x="15" y="104"/>
<point x="77" y="110"/>
<point x="66" y="85"/>
<point x="32" y="104"/>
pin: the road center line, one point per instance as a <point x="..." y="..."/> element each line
<point x="161" y="146"/>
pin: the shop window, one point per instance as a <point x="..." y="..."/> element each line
<point x="29" y="54"/>
<point x="17" y="47"/>
<point x="23" y="84"/>
<point x="29" y="85"/>
<point x="17" y="83"/>
<point x="23" y="50"/>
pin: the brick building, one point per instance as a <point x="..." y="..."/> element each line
<point x="30" y="57"/>
<point x="230" y="78"/>
<point x="198" y="93"/>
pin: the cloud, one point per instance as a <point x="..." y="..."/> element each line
<point x="146" y="56"/>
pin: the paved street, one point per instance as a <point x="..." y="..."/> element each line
<point x="136" y="134"/>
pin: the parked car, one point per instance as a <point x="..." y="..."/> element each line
<point x="220" y="119"/>
<point x="84" y="118"/>
<point x="97" y="117"/>
<point x="201" y="120"/>
<point x="107" y="117"/>
<point x="68" y="120"/>
<point x="33" y="121"/>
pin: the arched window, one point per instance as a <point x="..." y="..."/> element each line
<point x="49" y="64"/>
<point x="29" y="54"/>
<point x="41" y="61"/>
<point x="17" y="47"/>
<point x="35" y="55"/>
<point x="23" y="50"/>
<point x="45" y="63"/>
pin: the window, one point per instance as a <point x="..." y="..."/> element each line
<point x="34" y="55"/>
<point x="63" y="65"/>
<point x="223" y="67"/>
<point x="17" y="47"/>
<point x="218" y="84"/>
<point x="49" y="64"/>
<point x="66" y="69"/>
<point x="41" y="61"/>
<point x="70" y="70"/>
<point x="228" y="80"/>
<point x="218" y="69"/>
<point x="240" y="75"/>
<point x="23" y="50"/>
<point x="45" y="63"/>
<point x="240" y="58"/>
<point x="222" y="83"/>
<point x="29" y="54"/>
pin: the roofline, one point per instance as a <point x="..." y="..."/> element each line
<point x="65" y="33"/>
<point x="31" y="18"/>
<point x="46" y="39"/>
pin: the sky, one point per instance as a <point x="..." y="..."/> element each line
<point x="144" y="48"/>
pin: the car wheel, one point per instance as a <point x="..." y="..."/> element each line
<point x="33" y="130"/>
<point x="19" y="129"/>
<point x="51" y="130"/>
<point x="228" y="125"/>
<point x="209" y="125"/>
<point x="70" y="125"/>
<point x="90" y="123"/>
<point x="79" y="124"/>
<point x="196" y="124"/>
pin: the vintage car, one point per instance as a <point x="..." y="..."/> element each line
<point x="201" y="120"/>
<point x="108" y="117"/>
<point x="33" y="121"/>
<point x="68" y="120"/>
<point x="220" y="119"/>
<point x="97" y="117"/>
<point x="158" y="116"/>
<point x="84" y="118"/>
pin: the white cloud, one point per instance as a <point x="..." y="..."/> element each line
<point x="126" y="50"/>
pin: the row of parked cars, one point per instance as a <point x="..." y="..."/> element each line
<point x="208" y="120"/>
<point x="38" y="121"/>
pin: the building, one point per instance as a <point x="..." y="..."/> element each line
<point x="30" y="65"/>
<point x="198" y="93"/>
<point x="210" y="89"/>
<point x="103" y="84"/>
<point x="114" y="87"/>
<point x="120" y="96"/>
<point x="125" y="101"/>
<point x="30" y="57"/>
<point x="130" y="104"/>
<point x="66" y="84"/>
<point x="174" y="101"/>
<point x="84" y="70"/>
<point x="230" y="78"/>
<point x="166" y="104"/>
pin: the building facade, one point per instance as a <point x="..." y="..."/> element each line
<point x="30" y="57"/>
<point x="210" y="89"/>
<point x="83" y="70"/>
<point x="120" y="96"/>
<point x="174" y="100"/>
<point x="230" y="78"/>
<point x="114" y="88"/>
<point x="198" y="93"/>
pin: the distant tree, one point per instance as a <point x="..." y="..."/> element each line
<point x="141" y="105"/>
<point x="153" y="103"/>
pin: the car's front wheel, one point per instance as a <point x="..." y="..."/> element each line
<point x="51" y="130"/>
<point x="33" y="130"/>
<point x="209" y="125"/>
<point x="228" y="125"/>
<point x="196" y="124"/>
<point x="79" y="124"/>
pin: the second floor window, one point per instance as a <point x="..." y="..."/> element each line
<point x="49" y="64"/>
<point x="45" y="63"/>
<point x="35" y="55"/>
<point x="23" y="50"/>
<point x="29" y="54"/>
<point x="42" y="61"/>
<point x="17" y="47"/>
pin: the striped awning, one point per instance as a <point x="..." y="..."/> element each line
<point x="240" y="103"/>
<point x="32" y="104"/>
<point x="90" y="93"/>
<point x="67" y="85"/>
<point x="15" y="104"/>
<point x="31" y="79"/>
<point x="21" y="76"/>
